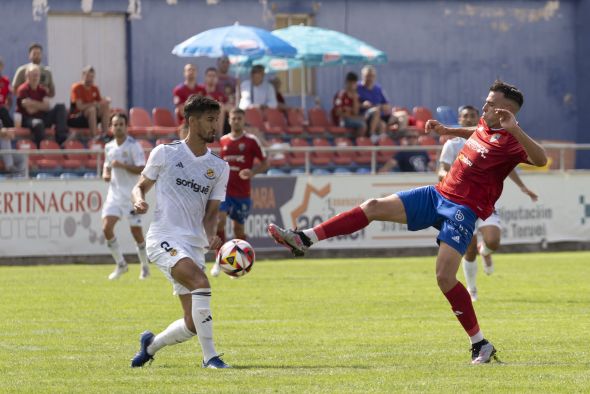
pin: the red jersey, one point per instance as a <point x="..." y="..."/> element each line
<point x="217" y="96"/>
<point x="4" y="89"/>
<point x="25" y="91"/>
<point x="240" y="154"/>
<point x="181" y="93"/>
<point x="342" y="102"/>
<point x="476" y="178"/>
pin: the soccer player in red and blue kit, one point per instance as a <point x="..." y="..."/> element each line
<point x="469" y="191"/>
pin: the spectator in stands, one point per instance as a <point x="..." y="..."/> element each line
<point x="256" y="92"/>
<point x="184" y="90"/>
<point x="281" y="103"/>
<point x="33" y="104"/>
<point x="346" y="110"/>
<point x="36" y="57"/>
<point x="374" y="104"/>
<point x="212" y="92"/>
<point x="225" y="82"/>
<point x="408" y="161"/>
<point x="87" y="107"/>
<point x="5" y="99"/>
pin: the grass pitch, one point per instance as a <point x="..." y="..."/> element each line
<point x="356" y="325"/>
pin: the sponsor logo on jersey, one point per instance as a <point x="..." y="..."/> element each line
<point x="456" y="238"/>
<point x="210" y="174"/>
<point x="190" y="183"/>
<point x="495" y="137"/>
<point x="459" y="216"/>
<point x="465" y="159"/>
<point x="476" y="146"/>
<point x="237" y="158"/>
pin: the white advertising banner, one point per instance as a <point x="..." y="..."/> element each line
<point x="63" y="217"/>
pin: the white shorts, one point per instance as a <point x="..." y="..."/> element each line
<point x="118" y="209"/>
<point x="493" y="220"/>
<point x="166" y="252"/>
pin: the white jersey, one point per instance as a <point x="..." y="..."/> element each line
<point x="122" y="181"/>
<point x="184" y="184"/>
<point x="451" y="150"/>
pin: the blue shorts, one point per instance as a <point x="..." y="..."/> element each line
<point x="425" y="207"/>
<point x="237" y="209"/>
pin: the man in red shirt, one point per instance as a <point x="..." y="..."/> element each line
<point x="346" y="110"/>
<point x="87" y="107"/>
<point x="5" y="99"/>
<point x="183" y="91"/>
<point x="212" y="92"/>
<point x="469" y="191"/>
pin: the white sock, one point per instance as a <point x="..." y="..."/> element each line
<point x="116" y="251"/>
<point x="176" y="332"/>
<point x="141" y="253"/>
<point x="477" y="337"/>
<point x="201" y="308"/>
<point x="470" y="271"/>
<point x="484" y="250"/>
<point x="311" y="235"/>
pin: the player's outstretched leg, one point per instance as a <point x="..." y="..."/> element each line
<point x="447" y="265"/>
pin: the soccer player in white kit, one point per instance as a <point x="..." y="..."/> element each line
<point x="190" y="182"/>
<point x="491" y="228"/>
<point x="124" y="161"/>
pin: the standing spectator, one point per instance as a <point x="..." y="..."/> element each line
<point x="225" y="82"/>
<point x="374" y="104"/>
<point x="36" y="57"/>
<point x="346" y="110"/>
<point x="256" y="92"/>
<point x="33" y="103"/>
<point x="281" y="103"/>
<point x="5" y="99"/>
<point x="212" y="92"/>
<point x="408" y="161"/>
<point x="87" y="107"/>
<point x="183" y="91"/>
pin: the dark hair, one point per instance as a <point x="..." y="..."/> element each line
<point x="469" y="108"/>
<point x="510" y="92"/>
<point x="118" y="115"/>
<point x="352" y="77"/>
<point x="211" y="69"/>
<point x="35" y="45"/>
<point x="257" y="68"/>
<point x="237" y="110"/>
<point x="197" y="105"/>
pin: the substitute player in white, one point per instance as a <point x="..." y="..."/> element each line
<point x="124" y="161"/>
<point x="491" y="228"/>
<point x="190" y="184"/>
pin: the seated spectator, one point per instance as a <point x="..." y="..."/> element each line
<point x="281" y="103"/>
<point x="87" y="107"/>
<point x="32" y="102"/>
<point x="5" y="99"/>
<point x="36" y="57"/>
<point x="346" y="110"/>
<point x="374" y="104"/>
<point x="408" y="161"/>
<point x="225" y="82"/>
<point x="184" y="90"/>
<point x="13" y="163"/>
<point x="256" y="92"/>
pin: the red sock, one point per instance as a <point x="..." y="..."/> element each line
<point x="462" y="307"/>
<point x="344" y="223"/>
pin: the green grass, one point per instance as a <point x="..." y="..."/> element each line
<point x="355" y="325"/>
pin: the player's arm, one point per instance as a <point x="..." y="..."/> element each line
<point x="138" y="194"/>
<point x="127" y="167"/>
<point x="443" y="169"/>
<point x="516" y="179"/>
<point x="261" y="167"/>
<point x="106" y="173"/>
<point x="535" y="152"/>
<point x="210" y="223"/>
<point x="440" y="129"/>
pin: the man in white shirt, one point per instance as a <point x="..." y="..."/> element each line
<point x="256" y="92"/>
<point x="489" y="229"/>
<point x="190" y="182"/>
<point x="124" y="161"/>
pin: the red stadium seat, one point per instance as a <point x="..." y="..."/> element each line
<point x="296" y="117"/>
<point x="92" y="160"/>
<point x="140" y="124"/>
<point x="74" y="161"/>
<point x="344" y="158"/>
<point x="421" y="114"/>
<point x="363" y="157"/>
<point x="255" y="118"/>
<point x="276" y="123"/>
<point x="297" y="159"/>
<point x="385" y="156"/>
<point x="26" y="144"/>
<point x="321" y="158"/>
<point x="428" y="140"/>
<point x="164" y="122"/>
<point x="319" y="123"/>
<point x="49" y="161"/>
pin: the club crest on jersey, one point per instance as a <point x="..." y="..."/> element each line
<point x="459" y="216"/>
<point x="495" y="137"/>
<point x="210" y="174"/>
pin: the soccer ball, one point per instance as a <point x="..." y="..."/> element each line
<point x="236" y="257"/>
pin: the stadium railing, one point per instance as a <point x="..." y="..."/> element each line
<point x="564" y="150"/>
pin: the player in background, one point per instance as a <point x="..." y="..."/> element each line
<point x="190" y="184"/>
<point x="470" y="190"/>
<point x="240" y="150"/>
<point x="124" y="161"/>
<point x="491" y="228"/>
